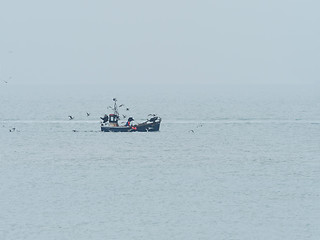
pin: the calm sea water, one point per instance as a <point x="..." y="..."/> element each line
<point x="249" y="170"/>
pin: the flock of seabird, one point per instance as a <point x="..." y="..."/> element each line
<point x="198" y="126"/>
<point x="88" y="114"/>
<point x="72" y="117"/>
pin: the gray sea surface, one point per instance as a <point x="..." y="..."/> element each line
<point x="240" y="162"/>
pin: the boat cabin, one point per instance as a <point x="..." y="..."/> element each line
<point x="113" y="120"/>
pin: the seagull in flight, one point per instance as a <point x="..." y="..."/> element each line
<point x="88" y="114"/>
<point x="71" y="117"/>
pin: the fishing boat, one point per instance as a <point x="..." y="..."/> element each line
<point x="110" y="123"/>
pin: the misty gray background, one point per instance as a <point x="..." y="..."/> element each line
<point x="99" y="42"/>
<point x="249" y="169"/>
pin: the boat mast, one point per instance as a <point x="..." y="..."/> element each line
<point x="115" y="107"/>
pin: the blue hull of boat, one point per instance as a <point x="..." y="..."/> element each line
<point x="143" y="127"/>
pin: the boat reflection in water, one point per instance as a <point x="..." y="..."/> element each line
<point x="110" y="123"/>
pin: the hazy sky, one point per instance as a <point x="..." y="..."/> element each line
<point x="100" y="41"/>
